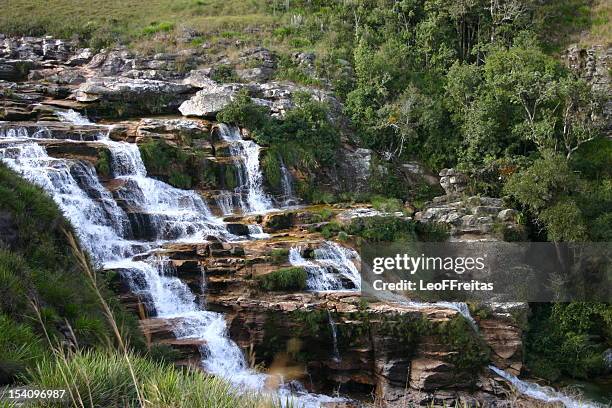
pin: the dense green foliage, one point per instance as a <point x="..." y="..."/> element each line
<point x="304" y="138"/>
<point x="284" y="279"/>
<point x="38" y="268"/>
<point x="568" y="339"/>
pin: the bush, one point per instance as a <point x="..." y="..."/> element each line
<point x="377" y="229"/>
<point x="568" y="339"/>
<point x="386" y="204"/>
<point x="285" y="279"/>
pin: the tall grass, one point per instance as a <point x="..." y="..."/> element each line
<point x="102" y="378"/>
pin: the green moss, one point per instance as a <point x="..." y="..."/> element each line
<point x="180" y="180"/>
<point x="103" y="165"/>
<point x="285" y="279"/>
<point x="271" y="165"/>
<point x="386" y="204"/>
<point x="279" y="255"/>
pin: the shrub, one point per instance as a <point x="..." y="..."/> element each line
<point x="285" y="279"/>
<point x="386" y="204"/>
<point x="223" y="73"/>
<point x="379" y="229"/>
<point x="158" y="27"/>
<point x="568" y="339"/>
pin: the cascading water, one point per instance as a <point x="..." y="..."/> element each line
<point x="224" y="201"/>
<point x="250" y="179"/>
<point x="332" y="267"/>
<point x="538" y="392"/>
<point x="287" y="185"/>
<point x="104" y="230"/>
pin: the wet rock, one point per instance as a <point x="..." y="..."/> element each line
<point x="278" y="221"/>
<point x="175" y="131"/>
<point x="238" y="229"/>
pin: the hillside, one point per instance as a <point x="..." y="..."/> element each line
<point x="222" y="164"/>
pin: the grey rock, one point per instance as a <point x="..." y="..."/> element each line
<point x="127" y="89"/>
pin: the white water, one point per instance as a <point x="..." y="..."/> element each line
<point x="250" y="179"/>
<point x="224" y="202"/>
<point x="256" y="232"/>
<point x="331" y="269"/>
<point x="103" y="229"/>
<point x="334" y="331"/>
<point x="545" y="394"/>
<point x="287" y="185"/>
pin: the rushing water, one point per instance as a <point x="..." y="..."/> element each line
<point x="545" y="394"/>
<point x="332" y="267"/>
<point x="107" y="231"/>
<point x="112" y="235"/>
<point x="250" y="179"/>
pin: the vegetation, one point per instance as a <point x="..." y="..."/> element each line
<point x="568" y="339"/>
<point x="284" y="279"/>
<point x="40" y="275"/>
<point x="178" y="167"/>
<point x="304" y="138"/>
<point x="102" y="378"/>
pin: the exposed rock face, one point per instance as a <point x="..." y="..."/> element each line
<point x="277" y="96"/>
<point x="470" y="218"/>
<point x="594" y="65"/>
<point x="452" y="181"/>
<point x="149" y="95"/>
<point x="261" y="63"/>
<point x="354" y="168"/>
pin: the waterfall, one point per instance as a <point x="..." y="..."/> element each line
<point x="331" y="269"/>
<point x="256" y="232"/>
<point x="250" y="179"/>
<point x="104" y="224"/>
<point x="287" y="184"/>
<point x="224" y="202"/>
<point x="99" y="222"/>
<point x="545" y="394"/>
<point x="334" y="332"/>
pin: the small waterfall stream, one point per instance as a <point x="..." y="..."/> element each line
<point x="289" y="197"/>
<point x="334" y="331"/>
<point x="332" y="267"/>
<point x="250" y="179"/>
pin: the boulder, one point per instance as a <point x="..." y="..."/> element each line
<point x="127" y="89"/>
<point x="208" y="102"/>
<point x="122" y="96"/>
